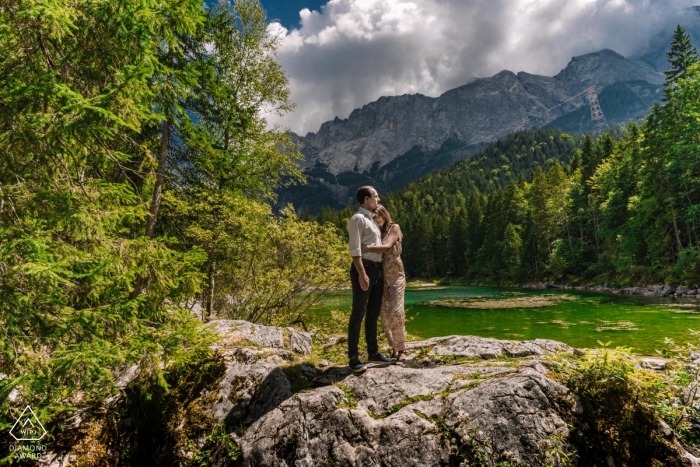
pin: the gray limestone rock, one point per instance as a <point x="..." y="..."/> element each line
<point x="238" y="332"/>
<point x="483" y="347"/>
<point x="668" y="290"/>
<point x="632" y="290"/>
<point x="474" y="114"/>
<point x="412" y="417"/>
<point x="653" y="363"/>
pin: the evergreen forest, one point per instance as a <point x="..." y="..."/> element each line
<point x="622" y="206"/>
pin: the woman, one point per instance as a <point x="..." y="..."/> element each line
<point x="392" y="313"/>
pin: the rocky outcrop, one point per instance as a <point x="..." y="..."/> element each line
<point x="411" y="417"/>
<point x="652" y="290"/>
<point x="462" y="400"/>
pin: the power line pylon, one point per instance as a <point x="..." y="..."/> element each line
<point x="597" y="117"/>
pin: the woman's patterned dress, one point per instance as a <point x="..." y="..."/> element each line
<point x="392" y="313"/>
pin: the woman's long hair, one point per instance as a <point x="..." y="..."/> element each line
<point x="381" y="211"/>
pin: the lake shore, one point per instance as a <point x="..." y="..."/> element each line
<point x="651" y="290"/>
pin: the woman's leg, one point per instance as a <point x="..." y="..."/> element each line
<point x="398" y="318"/>
<point x="385" y="316"/>
<point x="392" y="315"/>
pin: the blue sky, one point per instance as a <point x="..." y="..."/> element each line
<point x="287" y="11"/>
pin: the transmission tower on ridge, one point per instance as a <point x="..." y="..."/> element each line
<point x="597" y="117"/>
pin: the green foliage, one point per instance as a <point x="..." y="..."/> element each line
<point x="618" y="398"/>
<point x="557" y="453"/>
<point x="681" y="408"/>
<point x="78" y="105"/>
<point x="263" y="268"/>
<point x="217" y="440"/>
<point x="351" y="402"/>
<point x="396" y="407"/>
<point x="134" y="173"/>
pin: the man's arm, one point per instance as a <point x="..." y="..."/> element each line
<point x="355" y="246"/>
<point x="364" y="279"/>
<point x="355" y="229"/>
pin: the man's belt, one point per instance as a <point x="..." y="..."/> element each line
<point x="376" y="264"/>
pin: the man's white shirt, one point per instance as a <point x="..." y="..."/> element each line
<point x="363" y="230"/>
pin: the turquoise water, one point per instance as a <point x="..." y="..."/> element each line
<point x="582" y="319"/>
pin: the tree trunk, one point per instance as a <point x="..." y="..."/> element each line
<point x="160" y="177"/>
<point x="675" y="230"/>
<point x="210" y="292"/>
<point x="566" y="219"/>
<point x="595" y="232"/>
<point x="155" y="202"/>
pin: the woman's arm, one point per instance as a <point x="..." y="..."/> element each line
<point x="391" y="237"/>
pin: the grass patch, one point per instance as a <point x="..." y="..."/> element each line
<point x="395" y="408"/>
<point x="349" y="396"/>
<point x="458" y="360"/>
<point x="424" y="354"/>
<point x="475" y="375"/>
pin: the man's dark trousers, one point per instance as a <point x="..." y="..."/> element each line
<point x="365" y="302"/>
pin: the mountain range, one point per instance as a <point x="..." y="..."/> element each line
<point x="394" y="140"/>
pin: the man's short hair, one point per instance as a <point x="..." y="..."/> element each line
<point x="363" y="192"/>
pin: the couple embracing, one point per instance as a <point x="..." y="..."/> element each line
<point x="378" y="281"/>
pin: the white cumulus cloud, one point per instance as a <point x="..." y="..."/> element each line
<point x="352" y="52"/>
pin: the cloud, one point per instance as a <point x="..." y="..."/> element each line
<point x="351" y="52"/>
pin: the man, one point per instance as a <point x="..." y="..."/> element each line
<point x="366" y="278"/>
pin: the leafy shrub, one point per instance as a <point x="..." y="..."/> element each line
<point x="617" y="419"/>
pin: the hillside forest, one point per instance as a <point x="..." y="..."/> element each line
<point x="622" y="206"/>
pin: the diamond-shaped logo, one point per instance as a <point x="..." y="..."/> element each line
<point x="28" y="427"/>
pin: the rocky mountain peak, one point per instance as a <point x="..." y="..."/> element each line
<point x="606" y="67"/>
<point x="397" y="132"/>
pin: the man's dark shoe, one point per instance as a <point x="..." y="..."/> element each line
<point x="356" y="365"/>
<point x="380" y="357"/>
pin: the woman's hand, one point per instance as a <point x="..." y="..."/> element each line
<point x="367" y="248"/>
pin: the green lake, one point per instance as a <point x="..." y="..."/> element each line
<point x="580" y="319"/>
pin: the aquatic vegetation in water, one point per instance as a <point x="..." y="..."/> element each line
<point x="481" y="303"/>
<point x="685" y="308"/>
<point x="616" y="326"/>
<point x="562" y="323"/>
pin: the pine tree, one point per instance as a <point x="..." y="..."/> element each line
<point x="512" y="243"/>
<point x="681" y="56"/>
<point x="458" y="232"/>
